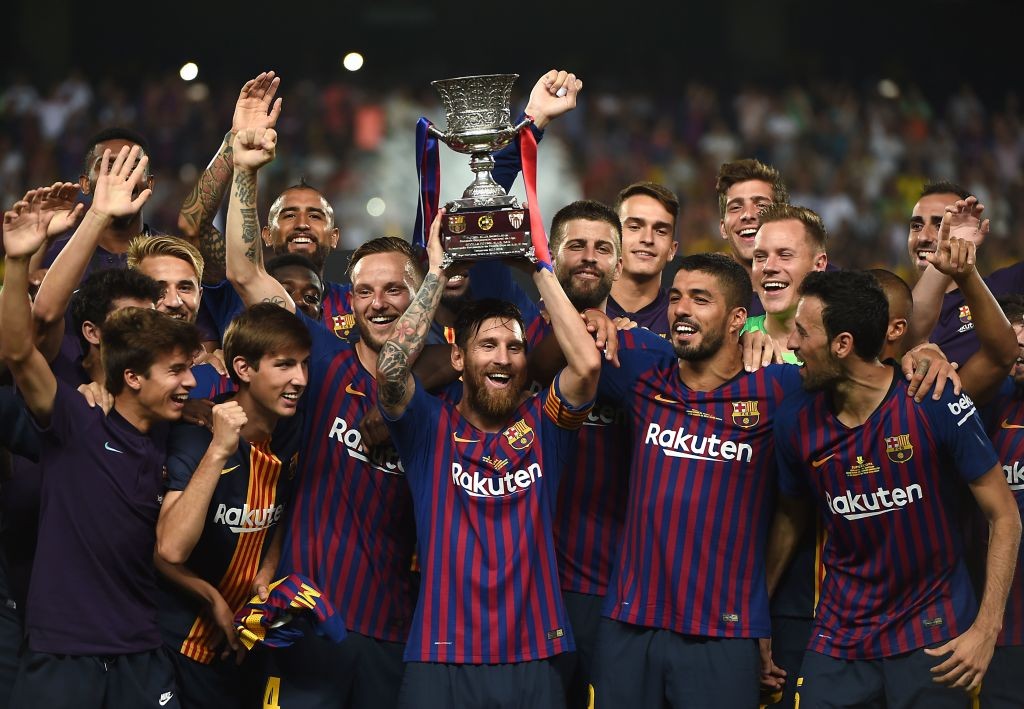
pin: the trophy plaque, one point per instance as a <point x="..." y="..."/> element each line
<point x="486" y="223"/>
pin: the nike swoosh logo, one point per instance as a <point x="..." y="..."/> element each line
<point x="225" y="471"/>
<point x="1006" y="424"/>
<point x="664" y="400"/>
<point x="111" y="448"/>
<point x="822" y="461"/>
<point x="457" y="439"/>
<point x="355" y="392"/>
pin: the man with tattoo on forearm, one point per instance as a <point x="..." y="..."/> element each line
<point x="301" y="220"/>
<point x="484" y="476"/>
<point x="351" y="528"/>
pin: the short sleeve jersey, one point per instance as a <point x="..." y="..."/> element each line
<point x="485" y="504"/>
<point x="351" y="527"/>
<point x="701" y="494"/>
<point x="889" y="491"/>
<point x="1004" y="420"/>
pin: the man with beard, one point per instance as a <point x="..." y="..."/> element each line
<point x="941" y="313"/>
<point x="585" y="249"/>
<point x="687" y="588"/>
<point x="351" y="528"/>
<point x="897" y="622"/>
<point x="116" y="232"/>
<point x="484" y="474"/>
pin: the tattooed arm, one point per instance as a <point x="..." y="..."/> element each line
<point x="252" y="149"/>
<point x="255" y="108"/>
<point x="395" y="385"/>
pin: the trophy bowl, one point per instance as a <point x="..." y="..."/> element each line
<point x="477" y="112"/>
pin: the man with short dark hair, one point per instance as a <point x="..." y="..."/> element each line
<point x="301" y="279"/>
<point x="92" y="620"/>
<point x="648" y="212"/>
<point x="688" y="588"/>
<point x="884" y="472"/>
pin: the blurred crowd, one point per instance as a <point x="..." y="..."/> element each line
<point x="857" y="156"/>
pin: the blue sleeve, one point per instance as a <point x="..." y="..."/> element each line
<point x="221" y="304"/>
<point x="960" y="434"/>
<point x="70" y="414"/>
<point x="788" y="377"/>
<point x="643" y="339"/>
<point x="17" y="434"/>
<point x="186" y="446"/>
<point x="413" y="433"/>
<point x="792" y="478"/>
<point x="494" y="279"/>
<point x="616" y="382"/>
<point x="990" y="411"/>
<point x="508" y="162"/>
<point x="209" y="382"/>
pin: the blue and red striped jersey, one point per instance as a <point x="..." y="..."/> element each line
<point x="891" y="493"/>
<point x="485" y="504"/>
<point x="351" y="527"/>
<point x="594" y="488"/>
<point x="1004" y="420"/>
<point x="701" y="494"/>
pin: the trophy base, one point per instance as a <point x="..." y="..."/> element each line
<point x="482" y="234"/>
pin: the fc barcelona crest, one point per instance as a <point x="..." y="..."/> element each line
<point x="519" y="435"/>
<point x="745" y="413"/>
<point x="456" y="223"/>
<point x="516" y="219"/>
<point x="343" y="324"/>
<point x="964" y="314"/>
<point x="899" y="448"/>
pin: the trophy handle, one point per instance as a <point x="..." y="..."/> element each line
<point x="436" y="133"/>
<point x="525" y="122"/>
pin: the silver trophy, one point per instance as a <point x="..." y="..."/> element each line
<point x="487" y="222"/>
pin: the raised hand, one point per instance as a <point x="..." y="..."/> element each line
<point x="254" y="147"/>
<point x="115" y="185"/>
<point x="256" y="107"/>
<point x="552" y="95"/>
<point x="228" y="419"/>
<point x="435" y="252"/>
<point x="67" y="213"/>
<point x="960" y="232"/>
<point x="26" y="223"/>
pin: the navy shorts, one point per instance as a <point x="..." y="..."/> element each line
<point x="646" y="667"/>
<point x="136" y="681"/>
<point x="219" y="685"/>
<point x="790" y="637"/>
<point x="316" y="673"/>
<point x="577" y="668"/>
<point x="898" y="682"/>
<point x="521" y="685"/>
<point x="1003" y="684"/>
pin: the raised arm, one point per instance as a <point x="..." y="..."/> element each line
<point x="24" y="232"/>
<point x="255" y="108"/>
<point x="113" y="197"/>
<point x="252" y="149"/>
<point x="970" y="652"/>
<point x="983" y="373"/>
<point x="965" y="223"/>
<point x="578" y="380"/>
<point x="395" y="384"/>
<point x="183" y="513"/>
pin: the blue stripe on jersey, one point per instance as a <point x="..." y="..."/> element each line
<point x="1004" y="418"/>
<point x="484" y="505"/>
<point x="351" y="529"/>
<point x="700" y="497"/>
<point x="889" y="492"/>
